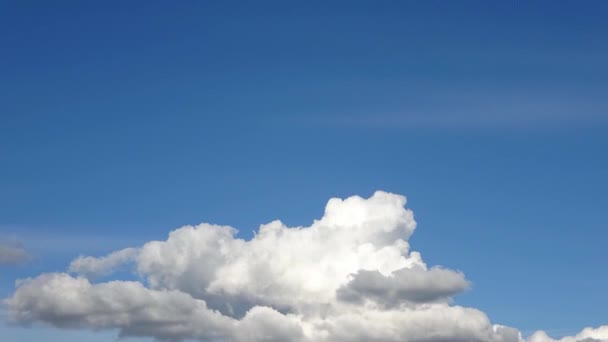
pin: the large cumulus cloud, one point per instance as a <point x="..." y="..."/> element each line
<point x="350" y="276"/>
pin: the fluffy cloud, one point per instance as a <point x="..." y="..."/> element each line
<point x="12" y="253"/>
<point x="349" y="276"/>
<point x="97" y="267"/>
<point x="587" y="335"/>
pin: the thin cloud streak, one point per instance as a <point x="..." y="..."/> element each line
<point x="475" y="111"/>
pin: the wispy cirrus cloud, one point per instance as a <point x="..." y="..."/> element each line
<point x="458" y="109"/>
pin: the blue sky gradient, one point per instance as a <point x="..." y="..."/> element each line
<point x="122" y="121"/>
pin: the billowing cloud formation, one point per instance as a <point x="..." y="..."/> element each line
<point x="12" y="253"/>
<point x="349" y="277"/>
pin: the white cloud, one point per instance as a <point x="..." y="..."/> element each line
<point x="349" y="276"/>
<point x="586" y="335"/>
<point x="96" y="267"/>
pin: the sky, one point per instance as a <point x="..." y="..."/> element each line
<point x="121" y="122"/>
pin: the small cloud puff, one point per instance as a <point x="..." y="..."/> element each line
<point x="12" y="253"/>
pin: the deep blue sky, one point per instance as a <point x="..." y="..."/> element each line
<point x="122" y="120"/>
